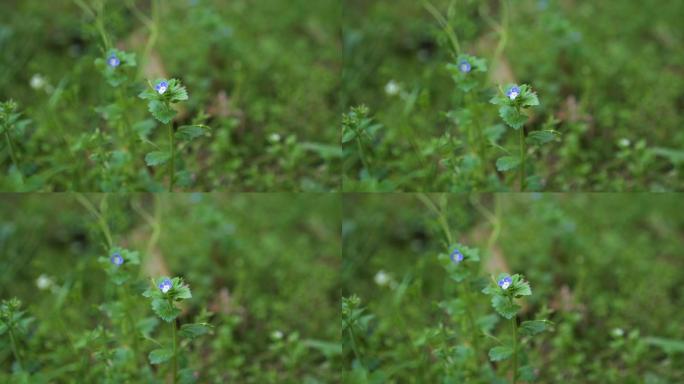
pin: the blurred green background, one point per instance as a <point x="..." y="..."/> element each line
<point x="265" y="72"/>
<point x="262" y="263"/>
<point x="609" y="72"/>
<point x="610" y="267"/>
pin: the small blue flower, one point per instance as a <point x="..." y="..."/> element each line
<point x="117" y="259"/>
<point x="505" y="282"/>
<point x="456" y="256"/>
<point x="513" y="92"/>
<point x="464" y="66"/>
<point x="161" y="87"/>
<point x="113" y="61"/>
<point x="165" y="285"/>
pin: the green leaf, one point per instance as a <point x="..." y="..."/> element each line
<point x="669" y="346"/>
<point x="348" y="135"/>
<point x="529" y="98"/>
<point x="520" y="287"/>
<point x="157" y="158"/>
<point x="165" y="310"/>
<point x="161" y="111"/>
<point x="507" y="163"/>
<point x="500" y="353"/>
<point x="533" y="327"/>
<point x="504" y="306"/>
<point x="194" y="330"/>
<point x="190" y="132"/>
<point x="514" y="118"/>
<point x="541" y="137"/>
<point x="160" y="355"/>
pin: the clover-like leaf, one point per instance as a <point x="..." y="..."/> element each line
<point x="194" y="330"/>
<point x="533" y="327"/>
<point x="506" y="163"/>
<point x="161" y="111"/>
<point x="541" y="137"/>
<point x="505" y="306"/>
<point x="512" y="116"/>
<point x="190" y="132"/>
<point x="164" y="309"/>
<point x="155" y="158"/>
<point x="500" y="353"/>
<point x="160" y="355"/>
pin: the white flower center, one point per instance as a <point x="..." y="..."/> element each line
<point x="513" y="95"/>
<point x="165" y="288"/>
<point x="505" y="285"/>
<point x="161" y="89"/>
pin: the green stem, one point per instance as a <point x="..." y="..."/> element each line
<point x="522" y="158"/>
<point x="11" y="151"/>
<point x="352" y="337"/>
<point x="174" y="361"/>
<point x="444" y="24"/>
<point x="172" y="148"/>
<point x="364" y="161"/>
<point x="514" y="324"/>
<point x="474" y="332"/>
<point x="15" y="351"/>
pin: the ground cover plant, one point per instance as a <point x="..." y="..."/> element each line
<point x="183" y="288"/>
<point x="512" y="288"/>
<point x="499" y="95"/>
<point x="152" y="95"/>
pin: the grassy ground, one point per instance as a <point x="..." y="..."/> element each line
<point x="263" y="76"/>
<point x="606" y="269"/>
<point x="263" y="271"/>
<point x="608" y="76"/>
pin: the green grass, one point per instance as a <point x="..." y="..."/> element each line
<point x="263" y="270"/>
<point x="264" y="76"/>
<point x="606" y="269"/>
<point x="608" y="75"/>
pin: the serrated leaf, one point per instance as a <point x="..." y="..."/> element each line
<point x="190" y="132"/>
<point x="504" y="306"/>
<point x="533" y="327"/>
<point x="165" y="310"/>
<point x="529" y="99"/>
<point x="514" y="118"/>
<point x="541" y="137"/>
<point x="520" y="287"/>
<point x="161" y="111"/>
<point x="160" y="355"/>
<point x="155" y="158"/>
<point x="194" y="330"/>
<point x="506" y="163"/>
<point x="500" y="353"/>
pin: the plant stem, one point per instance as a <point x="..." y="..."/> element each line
<point x="174" y="361"/>
<point x="362" y="156"/>
<point x="352" y="337"/>
<point x="172" y="145"/>
<point x="15" y="351"/>
<point x="514" y="323"/>
<point x="12" y="154"/>
<point x="522" y="158"/>
<point x="474" y="332"/>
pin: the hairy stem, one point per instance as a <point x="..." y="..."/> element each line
<point x="11" y="151"/>
<point x="514" y="325"/>
<point x="174" y="360"/>
<point x="172" y="170"/>
<point x="522" y="158"/>
<point x="15" y="350"/>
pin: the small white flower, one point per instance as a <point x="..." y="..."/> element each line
<point x="37" y="82"/>
<point x="392" y="88"/>
<point x="624" y="142"/>
<point x="274" y="137"/>
<point x="277" y="335"/>
<point x="43" y="282"/>
<point x="617" y="332"/>
<point x="382" y="278"/>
